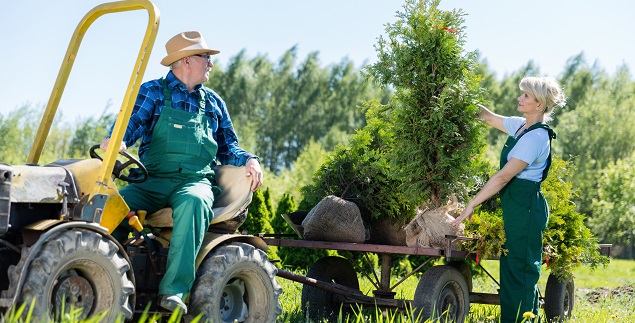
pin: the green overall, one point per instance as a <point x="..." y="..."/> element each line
<point x="179" y="163"/>
<point x="525" y="216"/>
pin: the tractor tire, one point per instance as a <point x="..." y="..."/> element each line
<point x="442" y="295"/>
<point x="235" y="283"/>
<point x="319" y="304"/>
<point x="559" y="299"/>
<point x="8" y="257"/>
<point x="75" y="269"/>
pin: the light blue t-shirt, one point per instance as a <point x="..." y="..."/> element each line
<point x="532" y="148"/>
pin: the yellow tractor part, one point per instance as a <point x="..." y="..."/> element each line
<point x="102" y="186"/>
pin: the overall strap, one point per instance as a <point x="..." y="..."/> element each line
<point x="201" y="101"/>
<point x="167" y="100"/>
<point x="552" y="135"/>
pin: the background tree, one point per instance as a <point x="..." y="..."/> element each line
<point x="88" y="132"/>
<point x="614" y="208"/>
<point x="292" y="179"/>
<point x="280" y="108"/>
<point x="17" y="132"/>
<point x="598" y="132"/>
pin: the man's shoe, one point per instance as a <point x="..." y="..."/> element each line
<point x="171" y="302"/>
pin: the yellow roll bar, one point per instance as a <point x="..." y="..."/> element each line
<point x="131" y="91"/>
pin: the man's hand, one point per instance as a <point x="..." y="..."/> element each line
<point x="253" y="170"/>
<point x="104" y="145"/>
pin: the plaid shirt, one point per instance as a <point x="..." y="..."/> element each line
<point x="149" y="105"/>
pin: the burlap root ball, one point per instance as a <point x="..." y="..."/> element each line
<point x="429" y="227"/>
<point x="334" y="219"/>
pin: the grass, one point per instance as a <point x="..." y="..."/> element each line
<point x="597" y="297"/>
<point x="603" y="295"/>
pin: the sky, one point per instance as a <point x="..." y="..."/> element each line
<point x="508" y="34"/>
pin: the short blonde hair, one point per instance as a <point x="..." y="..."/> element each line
<point x="547" y="92"/>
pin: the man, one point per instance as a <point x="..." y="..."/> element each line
<point x="185" y="130"/>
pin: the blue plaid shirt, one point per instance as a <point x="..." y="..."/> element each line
<point x="149" y="105"/>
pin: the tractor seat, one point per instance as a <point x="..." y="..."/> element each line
<point x="232" y="203"/>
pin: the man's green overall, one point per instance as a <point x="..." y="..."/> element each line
<point x="525" y="216"/>
<point x="179" y="163"/>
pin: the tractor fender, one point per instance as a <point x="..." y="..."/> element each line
<point x="212" y="240"/>
<point x="51" y="227"/>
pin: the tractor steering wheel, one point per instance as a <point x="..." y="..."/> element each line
<point x="120" y="167"/>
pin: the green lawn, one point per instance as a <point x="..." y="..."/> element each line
<point x="602" y="295"/>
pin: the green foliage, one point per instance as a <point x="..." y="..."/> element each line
<point x="290" y="180"/>
<point x="487" y="228"/>
<point x="259" y="218"/>
<point x="597" y="132"/>
<point x="87" y="133"/>
<point x="17" y="132"/>
<point x="567" y="239"/>
<point x="360" y="172"/>
<point x="285" y="206"/>
<point x="614" y="208"/>
<point x="578" y="80"/>
<point x="432" y="110"/>
<point x="281" y="107"/>
<point x="568" y="242"/>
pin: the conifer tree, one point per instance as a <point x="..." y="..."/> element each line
<point x="432" y="111"/>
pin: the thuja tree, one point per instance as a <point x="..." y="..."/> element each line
<point x="419" y="147"/>
<point x="433" y="109"/>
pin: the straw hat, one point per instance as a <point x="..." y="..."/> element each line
<point x="185" y="44"/>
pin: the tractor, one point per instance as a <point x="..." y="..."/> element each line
<point x="57" y="253"/>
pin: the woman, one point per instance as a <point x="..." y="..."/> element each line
<point x="524" y="164"/>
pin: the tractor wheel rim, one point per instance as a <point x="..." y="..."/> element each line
<point x="232" y="304"/>
<point x="76" y="292"/>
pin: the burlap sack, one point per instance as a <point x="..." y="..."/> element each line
<point x="429" y="227"/>
<point x="334" y="219"/>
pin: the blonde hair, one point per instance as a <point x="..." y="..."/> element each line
<point x="547" y="92"/>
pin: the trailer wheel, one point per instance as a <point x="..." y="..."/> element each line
<point x="76" y="269"/>
<point x="442" y="295"/>
<point x="465" y="270"/>
<point x="235" y="283"/>
<point x="559" y="299"/>
<point x="319" y="304"/>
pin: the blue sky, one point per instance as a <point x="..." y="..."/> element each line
<point x="507" y="33"/>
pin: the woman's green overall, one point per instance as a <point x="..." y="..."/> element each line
<point x="179" y="163"/>
<point x="525" y="216"/>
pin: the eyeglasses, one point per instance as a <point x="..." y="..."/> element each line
<point x="208" y="58"/>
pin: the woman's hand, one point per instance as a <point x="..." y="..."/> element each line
<point x="467" y="213"/>
<point x="253" y="169"/>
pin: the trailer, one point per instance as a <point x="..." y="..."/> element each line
<point x="444" y="292"/>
